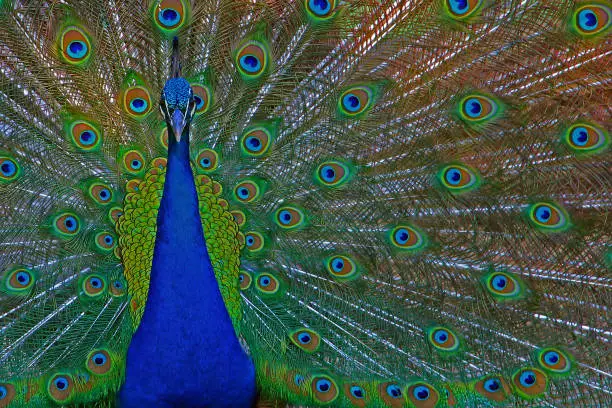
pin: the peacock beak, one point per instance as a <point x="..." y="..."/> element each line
<point x="178" y="124"/>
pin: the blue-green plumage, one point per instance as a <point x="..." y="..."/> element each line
<point x="342" y="203"/>
<point x="185" y="351"/>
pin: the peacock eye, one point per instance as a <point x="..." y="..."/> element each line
<point x="503" y="285"/>
<point x="254" y="241"/>
<point x="554" y="361"/>
<point x="324" y="389"/>
<point x="245" y="280"/>
<point x="394" y="391"/>
<point x="201" y="98"/>
<point x="75" y="45"/>
<point x="252" y="59"/>
<point x="170" y="14"/>
<point x="256" y="141"/>
<point x="443" y="339"/>
<point x="530" y="382"/>
<point x="585" y="138"/>
<point x="207" y="160"/>
<point x="9" y="170"/>
<point x="93" y="286"/>
<point x="355" y="100"/>
<point x="492" y="385"/>
<point x="492" y="388"/>
<point x="406" y="237"/>
<point x="478" y="108"/>
<point x="246" y="191"/>
<point x="462" y="9"/>
<point x="289" y="217"/>
<point x="458" y="178"/>
<point x="137" y="101"/>
<point x="67" y="224"/>
<point x="85" y="136"/>
<point x="332" y="174"/>
<point x="320" y="9"/>
<point x="60" y="387"/>
<point x="267" y="284"/>
<point x="133" y="161"/>
<point x="19" y="281"/>
<point x="420" y="392"/>
<point x="592" y="19"/>
<point x="357" y="392"/>
<point x="7" y="394"/>
<point x="306" y="339"/>
<point x="548" y="217"/>
<point x="100" y="193"/>
<point x="341" y="267"/>
<point x="105" y="242"/>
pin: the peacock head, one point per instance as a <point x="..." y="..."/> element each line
<point x="177" y="105"/>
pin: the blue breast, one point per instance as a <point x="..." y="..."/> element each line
<point x="185" y="352"/>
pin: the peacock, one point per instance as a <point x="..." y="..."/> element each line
<point x="342" y="203"/>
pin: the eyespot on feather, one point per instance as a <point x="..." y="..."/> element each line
<point x="105" y="242"/>
<point x="246" y="191"/>
<point x="114" y="213"/>
<point x="341" y="267"/>
<point x="19" y="281"/>
<point x="7" y="394"/>
<point x="391" y="394"/>
<point x="356" y="394"/>
<point x="137" y="102"/>
<point x="93" y="286"/>
<point x="85" y="135"/>
<point x="462" y="9"/>
<point x="493" y="388"/>
<point x="9" y="169"/>
<point x="591" y="20"/>
<point x="101" y="193"/>
<point x="207" y="160"/>
<point x="170" y="15"/>
<point x="423" y="395"/>
<point x="267" y="283"/>
<point x="133" y="162"/>
<point x="75" y="45"/>
<point x="503" y="286"/>
<point x="407" y="237"/>
<point x="320" y="10"/>
<point x="254" y="241"/>
<point x="117" y="288"/>
<point x="443" y="339"/>
<point x="548" y="217"/>
<point x="239" y="217"/>
<point x="324" y="389"/>
<point x="60" y="387"/>
<point x="458" y="178"/>
<point x="332" y="174"/>
<point x="478" y="108"/>
<point x="554" y="361"/>
<point x="99" y="362"/>
<point x="289" y="217"/>
<point x="355" y="101"/>
<point x="244" y="279"/>
<point x="586" y="138"/>
<point x="66" y="225"/>
<point x="530" y="382"/>
<point x="252" y="59"/>
<point x="256" y="141"/>
<point x="202" y="97"/>
<point x="296" y="382"/>
<point x="306" y="339"/>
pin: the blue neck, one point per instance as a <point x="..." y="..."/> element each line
<point x="185" y="352"/>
